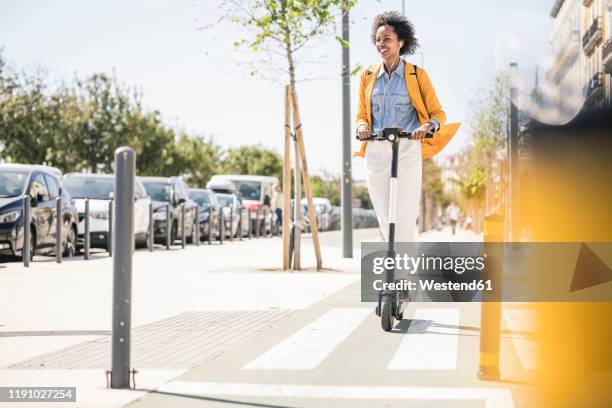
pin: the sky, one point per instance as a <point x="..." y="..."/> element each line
<point x="156" y="46"/>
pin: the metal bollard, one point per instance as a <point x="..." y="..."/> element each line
<point x="490" y="309"/>
<point x="250" y="222"/>
<point x="240" y="224"/>
<point x="168" y="226"/>
<point x="151" y="237"/>
<point x="86" y="234"/>
<point x="26" y="232"/>
<point x="197" y="226"/>
<point x="183" y="225"/>
<point x="210" y="223"/>
<point x="221" y="222"/>
<point x="122" y="266"/>
<point x="257" y="226"/>
<point x="231" y="223"/>
<point x="58" y="230"/>
<point x="110" y="227"/>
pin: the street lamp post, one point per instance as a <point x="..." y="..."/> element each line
<point x="347" y="182"/>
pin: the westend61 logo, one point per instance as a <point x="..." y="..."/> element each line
<point x="411" y="264"/>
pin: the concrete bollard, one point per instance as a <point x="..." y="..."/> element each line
<point x="210" y="223"/>
<point x="183" y="226"/>
<point x="197" y="226"/>
<point x="110" y="227"/>
<point x="86" y="233"/>
<point x="58" y="230"/>
<point x="26" y="232"/>
<point x="168" y="226"/>
<point x="221" y="225"/>
<point x="231" y="223"/>
<point x="151" y="237"/>
<point x="125" y="170"/>
<point x="250" y="222"/>
<point x="240" y="224"/>
<point x="257" y="224"/>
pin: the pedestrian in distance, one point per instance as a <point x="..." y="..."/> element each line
<point x="277" y="202"/>
<point x="453" y="216"/>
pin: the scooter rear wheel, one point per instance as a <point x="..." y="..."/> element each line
<point x="386" y="312"/>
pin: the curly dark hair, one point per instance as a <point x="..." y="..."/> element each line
<point x="402" y="27"/>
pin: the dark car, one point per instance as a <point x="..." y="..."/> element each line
<point x="206" y="199"/>
<point x="170" y="191"/>
<point x="41" y="183"/>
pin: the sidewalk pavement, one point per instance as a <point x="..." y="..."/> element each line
<point x="189" y="307"/>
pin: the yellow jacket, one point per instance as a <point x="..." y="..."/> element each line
<point x="424" y="100"/>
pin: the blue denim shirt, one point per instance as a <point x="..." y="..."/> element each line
<point x="391" y="105"/>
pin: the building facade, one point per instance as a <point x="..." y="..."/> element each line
<point x="582" y="48"/>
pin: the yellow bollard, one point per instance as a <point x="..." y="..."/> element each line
<point x="490" y="312"/>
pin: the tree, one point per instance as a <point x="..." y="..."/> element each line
<point x="489" y="126"/>
<point x="200" y="159"/>
<point x="281" y="29"/>
<point x="253" y="159"/>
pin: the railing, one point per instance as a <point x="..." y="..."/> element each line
<point x="606" y="56"/>
<point x="592" y="37"/>
<point x="594" y="89"/>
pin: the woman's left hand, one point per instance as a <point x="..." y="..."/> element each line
<point x="421" y="131"/>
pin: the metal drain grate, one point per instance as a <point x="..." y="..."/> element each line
<point x="181" y="341"/>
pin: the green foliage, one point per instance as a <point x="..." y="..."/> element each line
<point x="489" y="124"/>
<point x="253" y="159"/>
<point x="326" y="186"/>
<point x="77" y="127"/>
<point x="283" y="26"/>
<point x="432" y="181"/>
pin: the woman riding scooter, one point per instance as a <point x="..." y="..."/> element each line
<point x="396" y="94"/>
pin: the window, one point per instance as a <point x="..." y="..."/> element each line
<point x="39" y="186"/>
<point x="89" y="186"/>
<point x="180" y="186"/>
<point x="139" y="190"/>
<point x="53" y="185"/>
<point x="159" y="191"/>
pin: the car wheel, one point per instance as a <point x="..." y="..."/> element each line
<point x="69" y="247"/>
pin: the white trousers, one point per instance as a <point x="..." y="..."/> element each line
<point x="409" y="173"/>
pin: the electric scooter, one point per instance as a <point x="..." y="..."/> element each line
<point x="392" y="303"/>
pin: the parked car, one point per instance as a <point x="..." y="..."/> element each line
<point x="170" y="191"/>
<point x="255" y="191"/>
<point x="305" y="219"/>
<point x="99" y="189"/>
<point x="335" y="218"/>
<point x="225" y="190"/>
<point x="41" y="183"/>
<point x="206" y="199"/>
<point x="322" y="207"/>
<point x="232" y="203"/>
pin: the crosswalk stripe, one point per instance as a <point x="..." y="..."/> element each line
<point x="493" y="397"/>
<point x="431" y="342"/>
<point x="309" y="346"/>
<point x="523" y="321"/>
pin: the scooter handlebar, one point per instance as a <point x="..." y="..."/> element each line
<point x="390" y="134"/>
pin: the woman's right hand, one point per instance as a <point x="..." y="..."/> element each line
<point x="363" y="132"/>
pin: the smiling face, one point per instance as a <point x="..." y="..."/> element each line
<point x="387" y="43"/>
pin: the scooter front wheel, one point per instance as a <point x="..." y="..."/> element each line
<point x="387" y="319"/>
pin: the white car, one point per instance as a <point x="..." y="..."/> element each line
<point x="99" y="189"/>
<point x="322" y="207"/>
